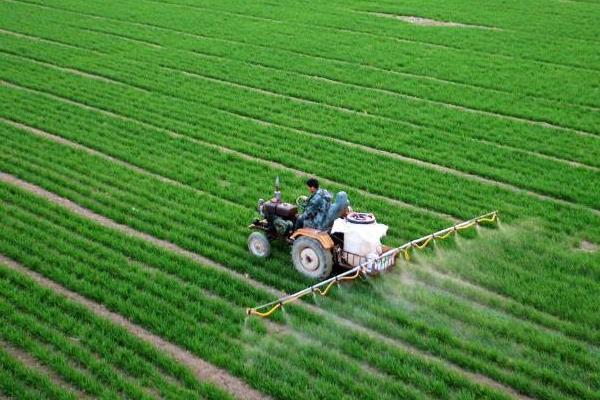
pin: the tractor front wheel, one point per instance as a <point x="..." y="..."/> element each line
<point x="311" y="259"/>
<point x="259" y="244"/>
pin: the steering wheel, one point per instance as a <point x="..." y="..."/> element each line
<point x="301" y="202"/>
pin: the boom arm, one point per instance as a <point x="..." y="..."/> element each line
<point x="367" y="266"/>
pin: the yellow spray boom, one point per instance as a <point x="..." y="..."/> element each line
<point x="370" y="266"/>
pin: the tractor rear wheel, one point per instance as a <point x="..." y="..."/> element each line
<point x="311" y="259"/>
<point x="259" y="244"/>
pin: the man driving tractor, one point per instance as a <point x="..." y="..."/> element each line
<point x="317" y="205"/>
<point x="319" y="212"/>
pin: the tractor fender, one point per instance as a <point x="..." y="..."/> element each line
<point x="322" y="237"/>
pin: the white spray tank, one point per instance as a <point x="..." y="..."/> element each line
<point x="362" y="235"/>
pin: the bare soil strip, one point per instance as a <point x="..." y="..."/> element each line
<point x="201" y="369"/>
<point x="34" y="364"/>
<point x="73" y="207"/>
<point x="588" y="247"/>
<point x="430" y="22"/>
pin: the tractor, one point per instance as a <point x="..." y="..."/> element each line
<point x="347" y="239"/>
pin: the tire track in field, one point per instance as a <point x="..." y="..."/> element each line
<point x="244" y="156"/>
<point x="31" y="362"/>
<point x="405" y="159"/>
<point x="273" y="327"/>
<point x="374" y="35"/>
<point x="203" y="370"/>
<point x="108" y="223"/>
<point x="307" y="55"/>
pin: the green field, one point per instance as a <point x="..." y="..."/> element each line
<point x="137" y="136"/>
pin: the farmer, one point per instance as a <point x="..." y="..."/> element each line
<point x="317" y="206"/>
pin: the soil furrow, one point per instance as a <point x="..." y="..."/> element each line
<point x="203" y="370"/>
<point x="34" y="364"/>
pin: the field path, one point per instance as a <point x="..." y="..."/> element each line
<point x="77" y="209"/>
<point x="203" y="370"/>
<point x="31" y="362"/>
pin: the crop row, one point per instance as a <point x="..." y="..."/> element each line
<point x="185" y="156"/>
<point x="570" y="23"/>
<point x="348" y="17"/>
<point x="21" y="382"/>
<point x="399" y="114"/>
<point x="413" y="331"/>
<point x="206" y="224"/>
<point x="340" y="79"/>
<point x="374" y="44"/>
<point x="445" y="278"/>
<point x="218" y="339"/>
<point x="564" y="363"/>
<point x="126" y="199"/>
<point x="297" y="159"/>
<point x="387" y="53"/>
<point x="87" y="261"/>
<point x="88" y="353"/>
<point x="296" y="65"/>
<point x="544" y="176"/>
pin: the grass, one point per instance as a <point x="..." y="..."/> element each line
<point x="190" y="110"/>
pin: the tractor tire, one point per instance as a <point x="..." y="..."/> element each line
<point x="259" y="244"/>
<point x="311" y="259"/>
